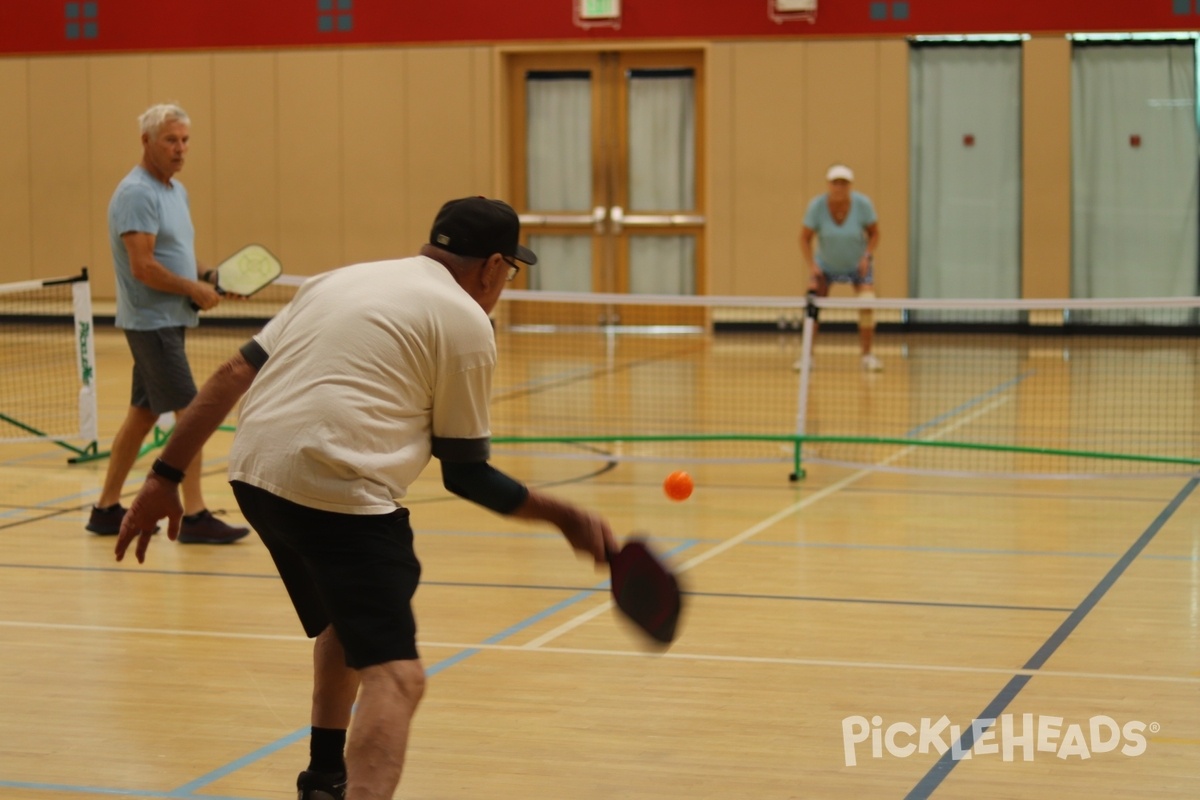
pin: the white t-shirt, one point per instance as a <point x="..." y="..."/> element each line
<point x="366" y="365"/>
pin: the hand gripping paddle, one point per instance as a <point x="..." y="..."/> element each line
<point x="247" y="271"/>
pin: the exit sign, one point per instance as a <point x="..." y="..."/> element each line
<point x="599" y="9"/>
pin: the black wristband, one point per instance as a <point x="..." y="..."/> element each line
<point x="162" y="468"/>
<point x="207" y="276"/>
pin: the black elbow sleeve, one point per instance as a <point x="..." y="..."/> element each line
<point x="483" y="484"/>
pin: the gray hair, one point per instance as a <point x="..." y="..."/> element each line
<point x="154" y="117"/>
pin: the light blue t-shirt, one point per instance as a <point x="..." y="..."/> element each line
<point x="840" y="247"/>
<point x="145" y="205"/>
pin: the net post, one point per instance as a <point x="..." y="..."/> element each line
<point x="806" y="346"/>
<point x="85" y="359"/>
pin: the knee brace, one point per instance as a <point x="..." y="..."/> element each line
<point x="866" y="316"/>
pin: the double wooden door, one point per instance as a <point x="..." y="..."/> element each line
<point x="607" y="175"/>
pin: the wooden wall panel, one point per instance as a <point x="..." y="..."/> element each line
<point x="445" y="102"/>
<point x="1046" y="157"/>
<point x="890" y="189"/>
<point x="721" y="149"/>
<point x="841" y="81"/>
<point x="769" y="145"/>
<point x="345" y="155"/>
<point x="310" y="151"/>
<point x="485" y="132"/>
<point x="375" y="206"/>
<point x="16" y="241"/>
<point x="61" y="214"/>
<point x="245" y="142"/>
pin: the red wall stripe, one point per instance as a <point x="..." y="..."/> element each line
<point x="40" y="26"/>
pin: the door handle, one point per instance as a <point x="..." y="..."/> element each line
<point x="663" y="220"/>
<point x="558" y="219"/>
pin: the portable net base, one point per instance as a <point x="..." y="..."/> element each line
<point x="47" y="367"/>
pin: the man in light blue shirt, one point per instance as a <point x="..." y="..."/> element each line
<point x="154" y="256"/>
<point x="847" y="232"/>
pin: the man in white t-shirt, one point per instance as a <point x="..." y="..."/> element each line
<point x="366" y="374"/>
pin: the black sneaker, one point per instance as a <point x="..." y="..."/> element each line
<point x="320" y="786"/>
<point x="106" y="521"/>
<point x="207" y="529"/>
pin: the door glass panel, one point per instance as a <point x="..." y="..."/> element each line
<point x="559" y="140"/>
<point x="662" y="140"/>
<point x="559" y="172"/>
<point x="564" y="263"/>
<point x="605" y="172"/>
<point x="662" y="265"/>
<point x="662" y="175"/>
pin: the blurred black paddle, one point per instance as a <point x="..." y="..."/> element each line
<point x="646" y="591"/>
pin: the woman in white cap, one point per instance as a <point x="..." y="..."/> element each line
<point x="847" y="232"/>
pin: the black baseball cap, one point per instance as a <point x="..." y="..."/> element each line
<point x="477" y="227"/>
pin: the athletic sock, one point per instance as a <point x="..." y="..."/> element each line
<point x="326" y="749"/>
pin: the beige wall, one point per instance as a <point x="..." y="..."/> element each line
<point x="325" y="157"/>
<point x="329" y="156"/>
<point x="1046" y="168"/>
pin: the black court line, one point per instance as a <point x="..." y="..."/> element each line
<point x="940" y="770"/>
<point x="558" y="588"/>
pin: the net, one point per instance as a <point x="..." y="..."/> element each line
<point x="1025" y="388"/>
<point x="1058" y="388"/>
<point x="47" y="380"/>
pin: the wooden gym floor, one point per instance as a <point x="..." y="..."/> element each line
<point x="836" y="629"/>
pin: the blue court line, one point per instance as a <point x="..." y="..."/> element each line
<point x="441" y="666"/>
<point x="189" y="788"/>
<point x="974" y="401"/>
<point x="877" y="602"/>
<point x="959" y="551"/>
<point x="63" y="787"/>
<point x="941" y="769"/>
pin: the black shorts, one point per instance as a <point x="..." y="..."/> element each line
<point x="356" y="572"/>
<point x="162" y="378"/>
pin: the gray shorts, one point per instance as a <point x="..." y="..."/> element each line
<point x="849" y="277"/>
<point x="162" y="377"/>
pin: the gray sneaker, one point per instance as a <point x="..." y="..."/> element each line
<point x="106" y="521"/>
<point x="207" y="529"/>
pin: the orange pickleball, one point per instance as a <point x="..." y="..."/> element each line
<point x="678" y="486"/>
